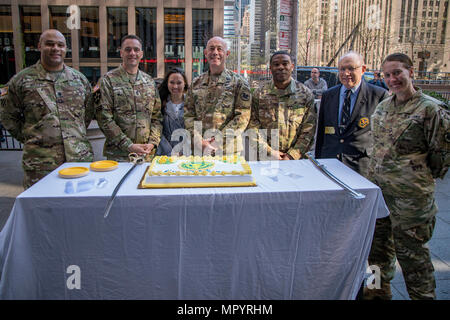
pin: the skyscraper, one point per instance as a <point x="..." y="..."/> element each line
<point x="375" y="28"/>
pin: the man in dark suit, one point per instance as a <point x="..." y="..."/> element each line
<point x="343" y="128"/>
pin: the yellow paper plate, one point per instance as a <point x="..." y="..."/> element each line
<point x="104" y="165"/>
<point x="73" y="172"/>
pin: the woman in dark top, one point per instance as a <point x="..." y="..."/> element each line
<point x="172" y="91"/>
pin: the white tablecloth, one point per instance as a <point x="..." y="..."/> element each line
<point x="297" y="235"/>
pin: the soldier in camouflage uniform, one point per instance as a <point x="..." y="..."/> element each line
<point x="220" y="99"/>
<point x="287" y="106"/>
<point x="129" y="108"/>
<point x="48" y="108"/>
<point x="411" y="133"/>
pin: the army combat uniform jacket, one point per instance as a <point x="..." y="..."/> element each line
<point x="411" y="148"/>
<point x="290" y="111"/>
<point x="222" y="104"/>
<point x="128" y="112"/>
<point x="49" y="114"/>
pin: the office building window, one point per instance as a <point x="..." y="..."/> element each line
<point x="58" y="20"/>
<point x="7" y="61"/>
<point x="202" y="30"/>
<point x="146" y="30"/>
<point x="30" y="22"/>
<point x="117" y="28"/>
<point x="174" y="38"/>
<point x="444" y="26"/>
<point x="89" y="33"/>
<point x="92" y="74"/>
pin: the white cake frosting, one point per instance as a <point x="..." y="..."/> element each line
<point x="173" y="172"/>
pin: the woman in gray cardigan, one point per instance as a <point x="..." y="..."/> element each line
<point x="171" y="92"/>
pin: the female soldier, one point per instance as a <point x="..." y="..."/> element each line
<point x="410" y="149"/>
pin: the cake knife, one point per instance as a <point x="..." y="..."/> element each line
<point x="135" y="159"/>
<point x="324" y="170"/>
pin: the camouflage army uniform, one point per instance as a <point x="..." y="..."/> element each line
<point x="221" y="103"/>
<point x="411" y="149"/>
<point x="128" y="112"/>
<point x="291" y="111"/>
<point x="49" y="114"/>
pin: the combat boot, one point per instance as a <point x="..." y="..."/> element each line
<point x="384" y="293"/>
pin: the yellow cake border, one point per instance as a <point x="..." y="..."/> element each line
<point x="245" y="165"/>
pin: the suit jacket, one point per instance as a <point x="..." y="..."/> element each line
<point x="352" y="146"/>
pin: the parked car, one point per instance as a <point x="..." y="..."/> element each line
<point x="329" y="74"/>
<point x="368" y="75"/>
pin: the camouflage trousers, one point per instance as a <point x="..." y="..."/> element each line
<point x="409" y="247"/>
<point x="31" y="177"/>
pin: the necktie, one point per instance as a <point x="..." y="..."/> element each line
<point x="345" y="117"/>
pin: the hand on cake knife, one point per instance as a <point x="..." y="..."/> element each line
<point x="135" y="159"/>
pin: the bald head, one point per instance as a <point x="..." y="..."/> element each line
<point x="315" y="75"/>
<point x="51" y="33"/>
<point x="52" y="46"/>
<point x="353" y="55"/>
<point x="218" y="39"/>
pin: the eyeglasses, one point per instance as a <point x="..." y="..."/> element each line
<point x="135" y="49"/>
<point x="349" y="69"/>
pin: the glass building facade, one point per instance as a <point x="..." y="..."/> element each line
<point x="202" y="30"/>
<point x="58" y="16"/>
<point x="31" y="26"/>
<point x="146" y="30"/>
<point x="89" y="34"/>
<point x="174" y="33"/>
<point x="7" y="65"/>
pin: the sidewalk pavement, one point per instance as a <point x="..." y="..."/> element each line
<point x="11" y="176"/>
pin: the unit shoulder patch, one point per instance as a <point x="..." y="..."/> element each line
<point x="3" y="91"/>
<point x="96" y="93"/>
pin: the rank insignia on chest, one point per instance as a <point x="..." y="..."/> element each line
<point x="137" y="93"/>
<point x="363" y="122"/>
<point x="59" y="97"/>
